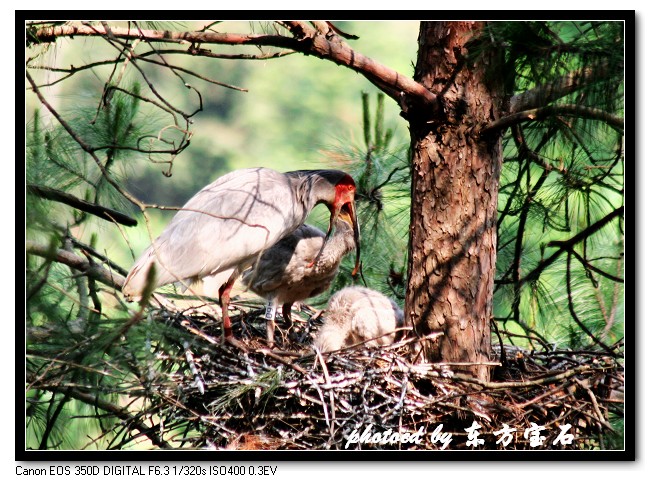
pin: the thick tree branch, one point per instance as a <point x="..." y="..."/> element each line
<point x="306" y="40"/>
<point x="50" y="34"/>
<point x="389" y="81"/>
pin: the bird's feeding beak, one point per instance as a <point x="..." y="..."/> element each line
<point x="344" y="206"/>
<point x="348" y="213"/>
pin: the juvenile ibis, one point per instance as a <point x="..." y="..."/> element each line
<point x="358" y="315"/>
<point x="228" y="223"/>
<point x="289" y="271"/>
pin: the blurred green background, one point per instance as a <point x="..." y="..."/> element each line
<point x="298" y="111"/>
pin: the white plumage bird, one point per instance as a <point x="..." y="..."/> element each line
<point x="358" y="315"/>
<point x="230" y="222"/>
<point x="289" y="272"/>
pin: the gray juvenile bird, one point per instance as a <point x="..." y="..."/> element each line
<point x="290" y="271"/>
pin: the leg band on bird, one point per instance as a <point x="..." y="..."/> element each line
<point x="269" y="314"/>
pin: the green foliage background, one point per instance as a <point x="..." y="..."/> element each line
<point x="299" y="113"/>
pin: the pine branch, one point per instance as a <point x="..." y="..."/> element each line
<point x="100" y="211"/>
<point x="572" y="110"/>
<point x="544" y="94"/>
<point x="88" y="250"/>
<point x="84" y="146"/>
<point x="590" y="267"/>
<point x="566" y="245"/>
<point x="111" y="408"/>
<point x="95" y="271"/>
<point x="573" y="312"/>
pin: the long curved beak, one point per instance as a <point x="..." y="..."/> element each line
<point x="334" y="214"/>
<point x="357" y="238"/>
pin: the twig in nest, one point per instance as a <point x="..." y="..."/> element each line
<point x="326" y="375"/>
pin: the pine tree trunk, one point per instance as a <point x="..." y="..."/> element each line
<point x="453" y="237"/>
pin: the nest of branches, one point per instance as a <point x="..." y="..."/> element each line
<point x="251" y="397"/>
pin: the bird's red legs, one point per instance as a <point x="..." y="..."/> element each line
<point x="224" y="300"/>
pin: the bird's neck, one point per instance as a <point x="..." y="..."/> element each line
<point x="338" y="245"/>
<point x="310" y="187"/>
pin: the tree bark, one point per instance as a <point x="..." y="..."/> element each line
<point x="454" y="199"/>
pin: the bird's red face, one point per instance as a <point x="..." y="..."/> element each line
<point x="344" y="202"/>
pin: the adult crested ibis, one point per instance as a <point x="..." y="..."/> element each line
<point x="228" y="223"/>
<point x="358" y="315"/>
<point x="290" y="271"/>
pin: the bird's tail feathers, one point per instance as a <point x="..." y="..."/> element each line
<point x="141" y="279"/>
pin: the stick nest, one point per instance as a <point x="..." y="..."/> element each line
<point x="289" y="397"/>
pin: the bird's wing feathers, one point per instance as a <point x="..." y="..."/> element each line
<point x="285" y="262"/>
<point x="224" y="225"/>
